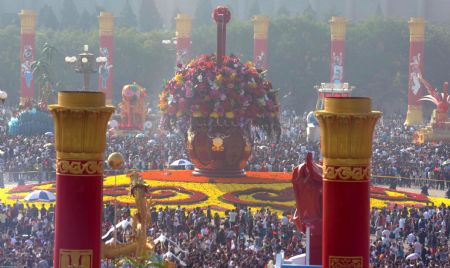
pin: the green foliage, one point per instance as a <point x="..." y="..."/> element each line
<point x="149" y="18"/>
<point x="254" y="9"/>
<point x="69" y="14"/>
<point x="47" y="18"/>
<point x="127" y="17"/>
<point x="88" y="20"/>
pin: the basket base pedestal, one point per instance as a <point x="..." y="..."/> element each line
<point x="222" y="173"/>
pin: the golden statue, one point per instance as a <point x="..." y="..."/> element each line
<point x="139" y="246"/>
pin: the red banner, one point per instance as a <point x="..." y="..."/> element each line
<point x="260" y="53"/>
<point x="183" y="50"/>
<point x="337" y="56"/>
<point x="27" y="56"/>
<point x="105" y="70"/>
<point x="78" y="220"/>
<point x="415" y="90"/>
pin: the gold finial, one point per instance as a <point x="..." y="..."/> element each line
<point x="106" y="23"/>
<point x="338" y="28"/>
<point x="260" y="27"/>
<point x="27" y="21"/>
<point x="115" y="160"/>
<point x="183" y="25"/>
<point x="416" y="29"/>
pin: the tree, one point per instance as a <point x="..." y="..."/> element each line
<point x="149" y="18"/>
<point x="87" y="21"/>
<point x="127" y="17"/>
<point x="309" y="11"/>
<point x="69" y="14"/>
<point x="254" y="9"/>
<point x="203" y="12"/>
<point x="43" y="71"/>
<point x="47" y="18"/>
<point x="283" y="11"/>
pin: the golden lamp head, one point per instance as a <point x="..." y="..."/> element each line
<point x="115" y="160"/>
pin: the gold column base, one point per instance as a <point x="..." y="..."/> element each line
<point x="414" y="116"/>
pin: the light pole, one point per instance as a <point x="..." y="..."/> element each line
<point x="84" y="63"/>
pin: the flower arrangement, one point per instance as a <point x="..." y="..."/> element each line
<point x="231" y="94"/>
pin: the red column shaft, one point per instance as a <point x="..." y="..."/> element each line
<point x="183" y="50"/>
<point x="78" y="219"/>
<point x="346" y="207"/>
<point x="415" y="90"/>
<point x="27" y="56"/>
<point x="337" y="57"/>
<point x="260" y="53"/>
<point x="106" y="70"/>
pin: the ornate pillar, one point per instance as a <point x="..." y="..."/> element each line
<point x="260" y="32"/>
<point x="106" y="47"/>
<point x="338" y="27"/>
<point x="27" y="54"/>
<point x="346" y="130"/>
<point x="80" y="139"/>
<point x="414" y="114"/>
<point x="183" y="35"/>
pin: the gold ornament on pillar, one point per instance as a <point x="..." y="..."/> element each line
<point x="346" y="130"/>
<point x="27" y="21"/>
<point x="338" y="28"/>
<point x="416" y="29"/>
<point x="260" y="27"/>
<point x="106" y="23"/>
<point x="183" y="25"/>
<point x="80" y="120"/>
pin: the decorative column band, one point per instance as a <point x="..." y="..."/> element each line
<point x="260" y="27"/>
<point x="416" y="29"/>
<point x="352" y="173"/>
<point x="77" y="167"/>
<point x="338" y="28"/>
<point x="27" y="21"/>
<point x="183" y="25"/>
<point x="106" y="23"/>
<point x="340" y="261"/>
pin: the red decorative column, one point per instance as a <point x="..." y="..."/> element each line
<point x="338" y="27"/>
<point x="106" y="47"/>
<point x="183" y="35"/>
<point x="414" y="114"/>
<point x="80" y="139"/>
<point x="260" y="33"/>
<point x="346" y="130"/>
<point x="27" y="54"/>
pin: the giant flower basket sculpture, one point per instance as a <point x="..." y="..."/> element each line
<point x="219" y="102"/>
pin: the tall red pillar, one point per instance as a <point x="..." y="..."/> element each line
<point x="260" y="34"/>
<point x="183" y="37"/>
<point x="106" y="47"/>
<point x="338" y="27"/>
<point x="80" y="139"/>
<point x="414" y="114"/>
<point x="27" y="54"/>
<point x="346" y="130"/>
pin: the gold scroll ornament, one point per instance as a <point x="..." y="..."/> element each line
<point x="79" y="167"/>
<point x="81" y="258"/>
<point x="346" y="173"/>
<point x="345" y="262"/>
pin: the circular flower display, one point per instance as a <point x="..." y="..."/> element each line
<point x="233" y="93"/>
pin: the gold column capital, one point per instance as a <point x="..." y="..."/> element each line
<point x="414" y="115"/>
<point x="260" y="27"/>
<point x="346" y="129"/>
<point x="106" y="23"/>
<point x="338" y="28"/>
<point x="81" y="119"/>
<point x="27" y="21"/>
<point x="416" y="29"/>
<point x="183" y="25"/>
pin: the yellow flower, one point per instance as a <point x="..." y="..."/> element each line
<point x="249" y="64"/>
<point x="214" y="115"/>
<point x="179" y="113"/>
<point x="233" y="76"/>
<point x="179" y="79"/>
<point x="197" y="114"/>
<point x="219" y="78"/>
<point x="229" y="115"/>
<point x="253" y="85"/>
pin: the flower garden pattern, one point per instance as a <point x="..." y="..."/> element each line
<point x="171" y="188"/>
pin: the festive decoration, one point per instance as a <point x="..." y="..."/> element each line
<point x="272" y="190"/>
<point x="31" y="121"/>
<point x="27" y="54"/>
<point x="338" y="27"/>
<point x="346" y="130"/>
<point x="234" y="94"/>
<point x="133" y="107"/>
<point x="106" y="43"/>
<point x="415" y="92"/>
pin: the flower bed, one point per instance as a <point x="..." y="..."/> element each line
<point x="260" y="189"/>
